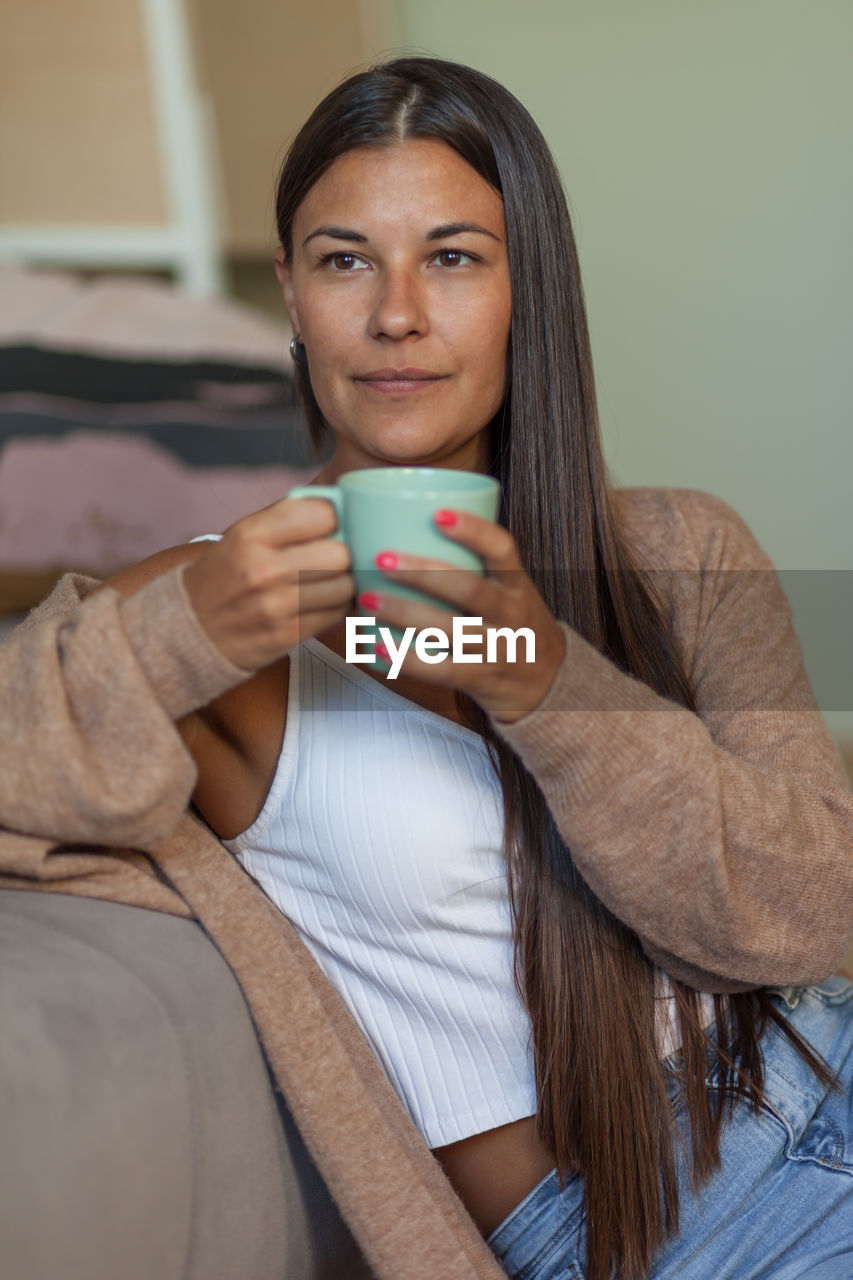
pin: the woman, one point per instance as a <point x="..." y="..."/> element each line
<point x="674" y="820"/>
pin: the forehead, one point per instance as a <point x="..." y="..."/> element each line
<point x="420" y="183"/>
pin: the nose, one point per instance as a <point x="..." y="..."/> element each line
<point x="399" y="306"/>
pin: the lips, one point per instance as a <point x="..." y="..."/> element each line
<point x="399" y="382"/>
<point x="404" y="376"/>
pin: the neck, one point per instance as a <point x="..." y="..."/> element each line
<point x="474" y="456"/>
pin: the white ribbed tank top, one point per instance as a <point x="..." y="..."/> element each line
<point x="380" y="840"/>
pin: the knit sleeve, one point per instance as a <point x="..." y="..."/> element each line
<point x="90" y="688"/>
<point x="724" y="839"/>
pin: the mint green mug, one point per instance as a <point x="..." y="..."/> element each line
<point x="392" y="509"/>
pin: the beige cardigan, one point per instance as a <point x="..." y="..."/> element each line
<point x="725" y="839"/>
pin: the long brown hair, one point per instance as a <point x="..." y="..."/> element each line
<point x="603" y="1103"/>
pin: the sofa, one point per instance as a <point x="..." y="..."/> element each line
<point x="141" y="1137"/>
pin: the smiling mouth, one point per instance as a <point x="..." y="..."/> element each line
<point x="399" y="381"/>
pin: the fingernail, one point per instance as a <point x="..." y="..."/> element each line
<point x="386" y="560"/>
<point x="381" y="651"/>
<point x="446" y="519"/>
<point x="369" y="600"/>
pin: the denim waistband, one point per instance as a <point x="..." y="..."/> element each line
<point x="522" y="1239"/>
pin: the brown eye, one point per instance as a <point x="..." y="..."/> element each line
<point x="452" y="258"/>
<point x="346" y="261"/>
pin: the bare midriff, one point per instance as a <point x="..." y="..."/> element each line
<point x="492" y="1172"/>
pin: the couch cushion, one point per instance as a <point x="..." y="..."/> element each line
<point x="141" y="1136"/>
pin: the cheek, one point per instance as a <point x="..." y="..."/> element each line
<point x="324" y="325"/>
<point x="328" y="392"/>
<point x="324" y="316"/>
<point x="330" y="344"/>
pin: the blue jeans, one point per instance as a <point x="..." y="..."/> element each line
<point x="781" y="1205"/>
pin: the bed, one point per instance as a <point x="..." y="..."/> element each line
<point x="132" y="417"/>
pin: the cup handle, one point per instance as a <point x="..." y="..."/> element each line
<point x="329" y="491"/>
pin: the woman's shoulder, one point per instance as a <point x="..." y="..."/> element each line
<point x="668" y="528"/>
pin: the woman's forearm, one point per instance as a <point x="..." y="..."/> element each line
<point x="724" y="839"/>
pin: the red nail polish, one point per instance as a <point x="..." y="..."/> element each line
<point x="446" y="519"/>
<point x="382" y="652"/>
<point x="370" y="600"/>
<point x="386" y="560"/>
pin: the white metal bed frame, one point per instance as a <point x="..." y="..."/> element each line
<point x="189" y="243"/>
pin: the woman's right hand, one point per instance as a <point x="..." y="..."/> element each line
<point x="275" y="578"/>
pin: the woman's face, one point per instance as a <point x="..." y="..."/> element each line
<point x="399" y="285"/>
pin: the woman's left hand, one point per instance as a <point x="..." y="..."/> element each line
<point x="504" y="598"/>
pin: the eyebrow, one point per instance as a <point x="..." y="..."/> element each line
<point x="437" y="233"/>
<point x="456" y="228"/>
<point x="336" y="233"/>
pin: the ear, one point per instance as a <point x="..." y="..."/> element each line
<point x="283" y="271"/>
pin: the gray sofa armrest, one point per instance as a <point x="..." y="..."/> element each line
<point x="140" y="1135"/>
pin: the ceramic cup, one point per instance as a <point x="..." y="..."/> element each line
<point x="392" y="509"/>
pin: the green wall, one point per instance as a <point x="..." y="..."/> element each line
<point x="707" y="153"/>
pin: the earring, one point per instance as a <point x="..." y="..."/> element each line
<point x="298" y="354"/>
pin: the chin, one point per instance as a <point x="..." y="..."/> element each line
<point x="408" y="451"/>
